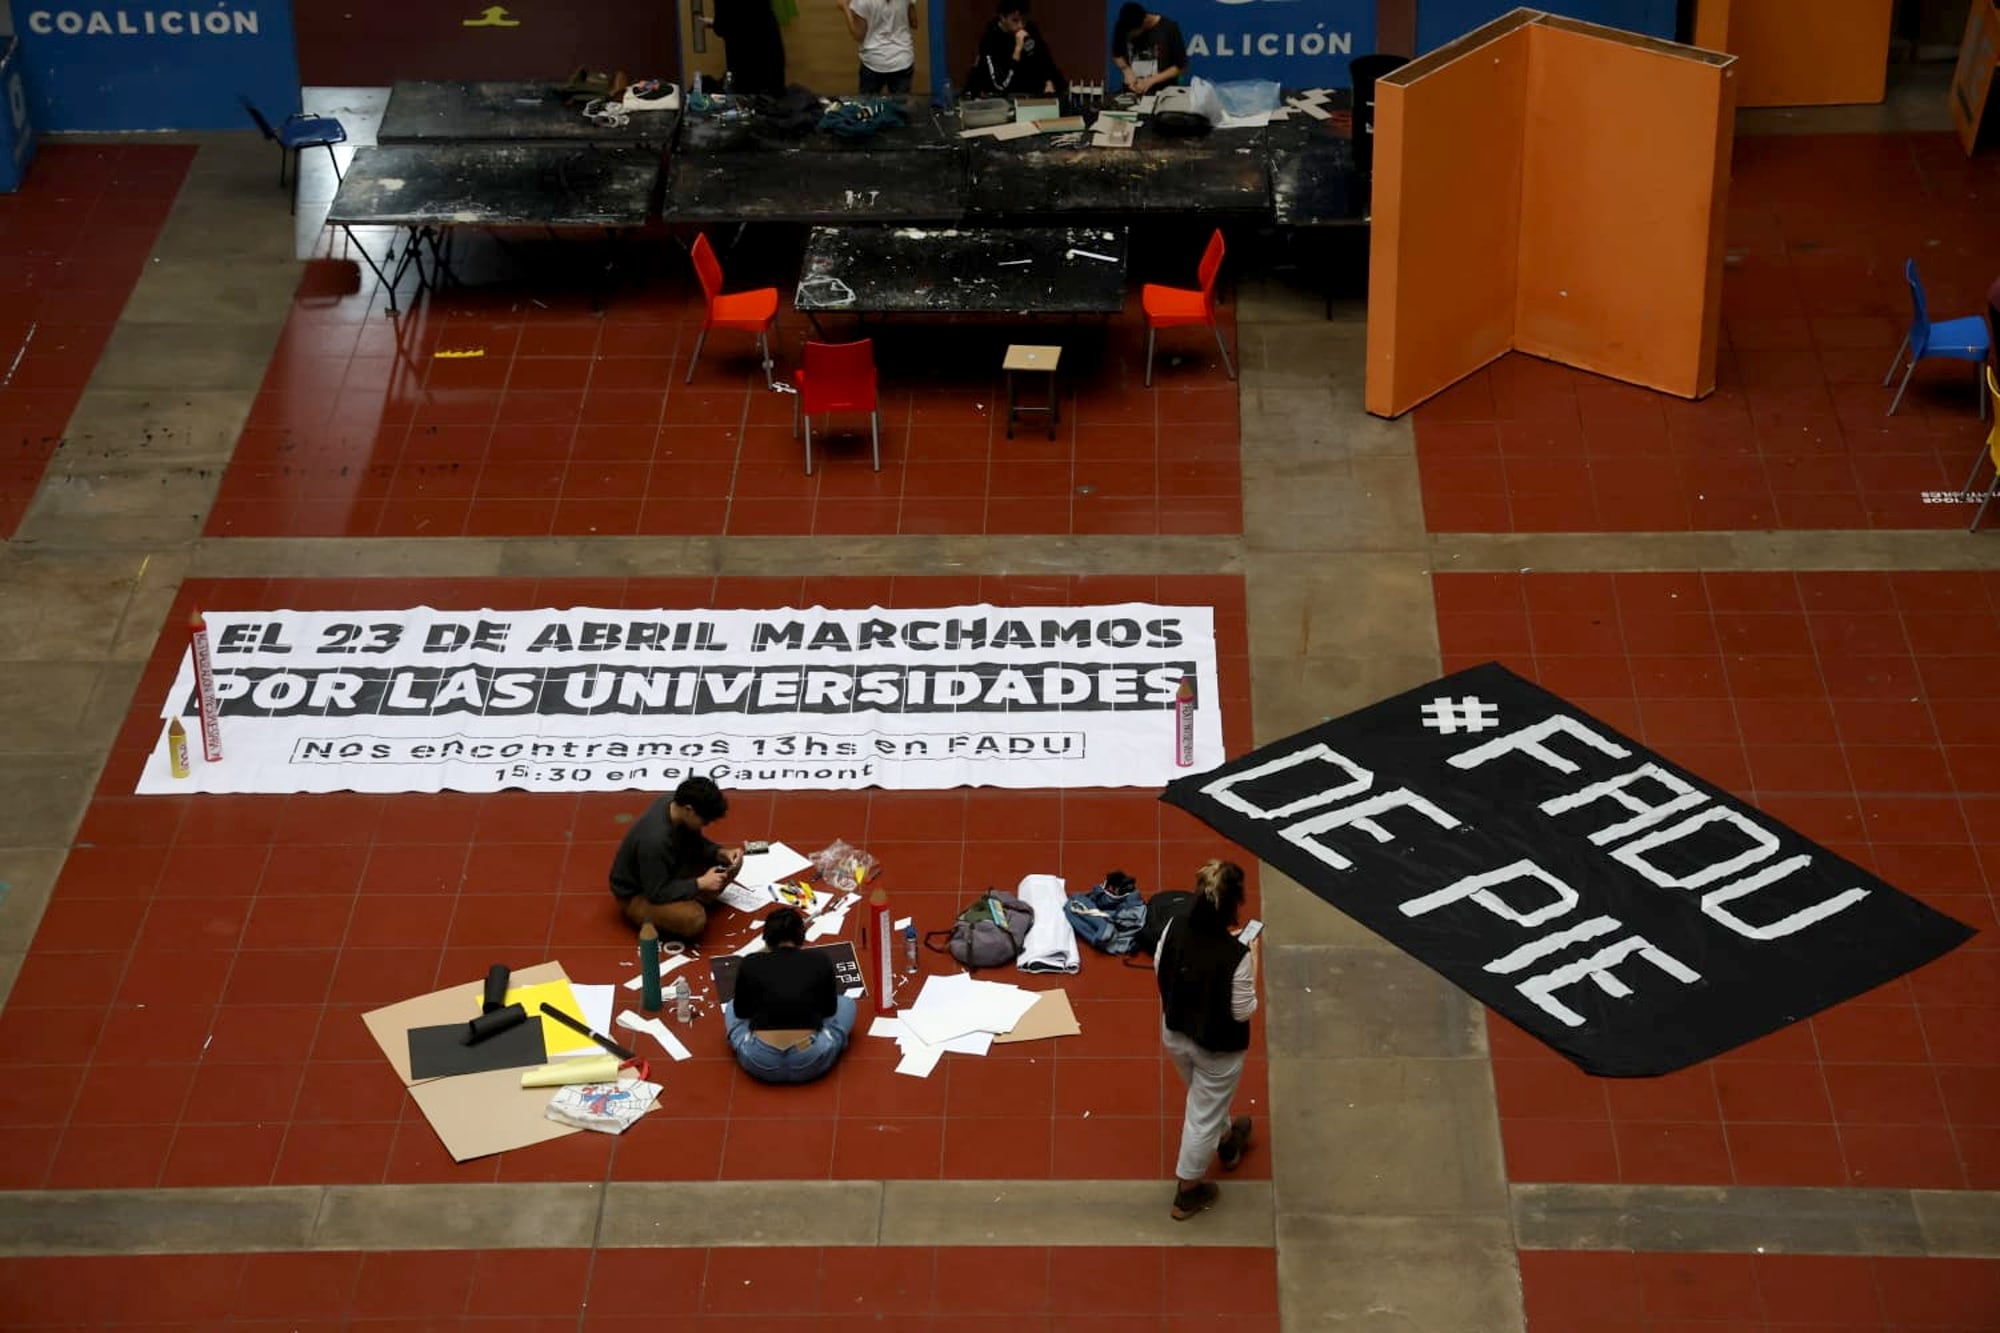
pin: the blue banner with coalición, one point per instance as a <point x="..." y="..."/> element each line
<point x="157" y="64"/>
<point x="1299" y="43"/>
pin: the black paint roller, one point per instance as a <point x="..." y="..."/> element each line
<point x="495" y="1023"/>
<point x="496" y="989"/>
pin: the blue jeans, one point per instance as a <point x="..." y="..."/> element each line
<point x="767" y="1063"/>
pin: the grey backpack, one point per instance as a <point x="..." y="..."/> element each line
<point x="989" y="933"/>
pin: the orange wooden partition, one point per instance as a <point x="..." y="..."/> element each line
<point x="1552" y="187"/>
<point x="1793" y="54"/>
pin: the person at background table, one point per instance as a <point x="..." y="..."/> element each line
<point x="666" y="871"/>
<point x="1148" y="49"/>
<point x="1013" y="59"/>
<point x="752" y="45"/>
<point x="790" y="996"/>
<point x="886" y="31"/>
<point x="1208" y="990"/>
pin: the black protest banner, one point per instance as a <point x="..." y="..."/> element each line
<point x="1634" y="917"/>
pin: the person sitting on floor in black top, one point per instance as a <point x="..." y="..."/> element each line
<point x="667" y="872"/>
<point x="1013" y="59"/>
<point x="787" y="1023"/>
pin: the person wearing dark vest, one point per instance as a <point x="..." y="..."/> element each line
<point x="1208" y="990"/>
<point x="788" y="1021"/>
<point x="667" y="873"/>
<point x="752" y="45"/>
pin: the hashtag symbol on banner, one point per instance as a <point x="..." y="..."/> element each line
<point x="1448" y="716"/>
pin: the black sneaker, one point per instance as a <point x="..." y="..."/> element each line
<point x="1235" y="1143"/>
<point x="1191" y="1201"/>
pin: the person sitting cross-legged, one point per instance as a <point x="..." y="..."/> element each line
<point x="788" y="1022"/>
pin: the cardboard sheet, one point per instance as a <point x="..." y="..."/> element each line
<point x="477" y="1115"/>
<point x="472" y="1114"/>
<point x="1051" y="1016"/>
<point x="440" y="1051"/>
<point x="391" y="1024"/>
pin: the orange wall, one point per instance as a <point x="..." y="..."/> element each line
<point x="1448" y="152"/>
<point x="1794" y="54"/>
<point x="1621" y="250"/>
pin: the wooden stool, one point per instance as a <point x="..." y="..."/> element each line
<point x="1022" y="358"/>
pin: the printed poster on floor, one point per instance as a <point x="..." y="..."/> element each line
<point x="586" y="699"/>
<point x="1619" y="908"/>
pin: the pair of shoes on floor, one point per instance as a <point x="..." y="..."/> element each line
<point x="1188" y="1202"/>
<point x="1235" y="1143"/>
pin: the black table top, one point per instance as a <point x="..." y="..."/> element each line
<point x="963" y="270"/>
<point x="509" y="111"/>
<point x="742" y="169"/>
<point x="1313" y="183"/>
<point x="1223" y="171"/>
<point x="495" y="185"/>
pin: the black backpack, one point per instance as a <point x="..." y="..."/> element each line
<point x="1161" y="908"/>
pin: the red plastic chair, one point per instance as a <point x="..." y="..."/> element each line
<point x="744" y="312"/>
<point x="837" y="377"/>
<point x="1173" y="307"/>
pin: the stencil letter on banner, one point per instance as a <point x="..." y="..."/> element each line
<point x="1621" y="909"/>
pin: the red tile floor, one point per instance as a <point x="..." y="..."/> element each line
<point x="1601" y="1292"/>
<point x="1794" y="435"/>
<point x="73" y="241"/>
<point x="189" y="1012"/>
<point x="568" y="423"/>
<point x="892" y="1290"/>
<point x="1856" y="707"/>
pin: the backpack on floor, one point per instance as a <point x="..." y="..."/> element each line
<point x="1110" y="915"/>
<point x="988" y="933"/>
<point x="1161" y="909"/>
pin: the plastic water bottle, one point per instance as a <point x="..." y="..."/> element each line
<point x="681" y="1013"/>
<point x="945" y="97"/>
<point x="910" y="945"/>
<point x="728" y="82"/>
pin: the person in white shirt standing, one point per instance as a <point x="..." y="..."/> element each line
<point x="886" y="31"/>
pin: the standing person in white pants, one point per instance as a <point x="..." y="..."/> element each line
<point x="1208" y="990"/>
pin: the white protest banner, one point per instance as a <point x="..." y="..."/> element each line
<point x="586" y="699"/>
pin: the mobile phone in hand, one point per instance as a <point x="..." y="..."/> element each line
<point x="1249" y="933"/>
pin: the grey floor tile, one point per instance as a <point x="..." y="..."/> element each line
<point x="1061" y="1213"/>
<point x="53" y="1222"/>
<point x="458" y="1217"/>
<point x="716" y="1213"/>
<point x="1395" y="1136"/>
<point x="1721" y="1219"/>
<point x="1398" y="1275"/>
<point x="185" y="356"/>
<point x="1334" y="1003"/>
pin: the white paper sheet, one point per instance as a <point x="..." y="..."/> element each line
<point x="1018" y="130"/>
<point x="886" y="1025"/>
<point x="667" y="967"/>
<point x="919" y="1064"/>
<point x="756" y="945"/>
<point x="1314" y="110"/>
<point x="764" y="869"/>
<point x="672" y="1044"/>
<point x="595" y="1002"/>
<point x="746" y="899"/>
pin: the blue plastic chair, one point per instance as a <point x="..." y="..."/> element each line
<point x="1953" y="339"/>
<point x="299" y="131"/>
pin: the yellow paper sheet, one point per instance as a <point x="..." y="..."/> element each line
<point x="556" y="1038"/>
